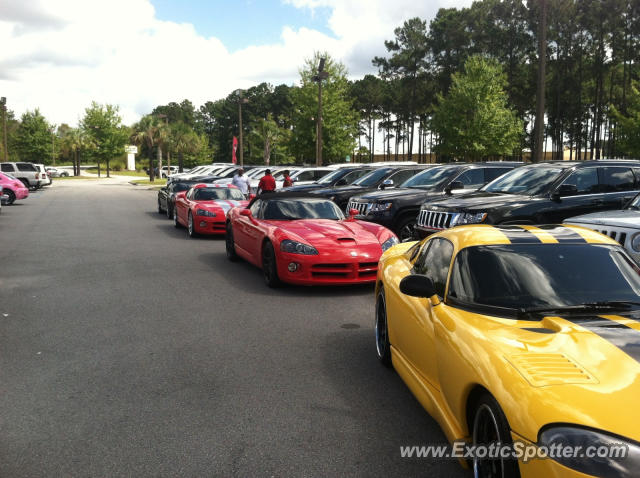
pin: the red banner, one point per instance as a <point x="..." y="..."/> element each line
<point x="234" y="160"/>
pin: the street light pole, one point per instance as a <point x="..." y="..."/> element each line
<point x="241" y="101"/>
<point x="3" y="103"/>
<point x="322" y="75"/>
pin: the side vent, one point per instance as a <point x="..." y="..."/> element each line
<point x="542" y="370"/>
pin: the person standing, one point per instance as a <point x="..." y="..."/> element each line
<point x="267" y="183"/>
<point x="241" y="182"/>
<point x="287" y="182"/>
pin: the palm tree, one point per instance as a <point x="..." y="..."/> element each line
<point x="184" y="140"/>
<point x="73" y="142"/>
<point x="146" y="131"/>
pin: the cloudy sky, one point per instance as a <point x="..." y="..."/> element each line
<point x="59" y="55"/>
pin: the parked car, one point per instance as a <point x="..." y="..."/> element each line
<point x="167" y="196"/>
<point x="544" y="193"/>
<point x="45" y="179"/>
<point x="168" y="171"/>
<point x="301" y="239"/>
<point x="506" y="334"/>
<point x="336" y="177"/>
<point x="13" y="189"/>
<point x="376" y="179"/>
<point x="398" y="208"/>
<point x="203" y="208"/>
<point x="622" y="226"/>
<point x="25" y="172"/>
<point x="57" y="173"/>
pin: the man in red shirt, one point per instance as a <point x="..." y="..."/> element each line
<point x="267" y="183"/>
<point x="287" y="182"/>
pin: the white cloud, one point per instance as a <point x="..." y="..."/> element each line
<point x="59" y="55"/>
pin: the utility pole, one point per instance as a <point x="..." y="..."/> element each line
<point x="322" y="75"/>
<point x="538" y="149"/>
<point x="3" y="103"/>
<point x="241" y="101"/>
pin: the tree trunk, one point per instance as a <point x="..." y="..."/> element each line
<point x="160" y="161"/>
<point x="180" y="161"/>
<point x="542" y="58"/>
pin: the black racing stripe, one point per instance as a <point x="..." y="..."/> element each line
<point x="620" y="335"/>
<point x="563" y="234"/>
<point x="519" y="235"/>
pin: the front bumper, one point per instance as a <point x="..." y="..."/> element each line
<point x="209" y="225"/>
<point x="21" y="193"/>
<point x="337" y="268"/>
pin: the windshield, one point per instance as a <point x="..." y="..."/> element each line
<point x="432" y="178"/>
<point x="210" y="194"/>
<point x="329" y="178"/>
<point x="539" y="275"/>
<point x="254" y="172"/>
<point x="525" y="180"/>
<point x="177" y="187"/>
<point x="373" y="178"/>
<point x="301" y="209"/>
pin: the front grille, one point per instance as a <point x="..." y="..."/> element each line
<point x="361" y="270"/>
<point x="362" y="207"/>
<point x="434" y="219"/>
<point x="618" y="236"/>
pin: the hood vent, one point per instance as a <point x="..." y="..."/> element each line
<point x="542" y="370"/>
<point x="346" y="239"/>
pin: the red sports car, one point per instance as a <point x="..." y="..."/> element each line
<point x="203" y="208"/>
<point x="303" y="239"/>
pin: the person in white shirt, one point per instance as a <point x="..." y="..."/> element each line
<point x="241" y="182"/>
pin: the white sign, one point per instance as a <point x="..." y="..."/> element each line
<point x="131" y="149"/>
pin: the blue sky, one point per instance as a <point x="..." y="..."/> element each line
<point x="242" y="23"/>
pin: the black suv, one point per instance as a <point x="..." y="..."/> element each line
<point x="339" y="177"/>
<point x="544" y="193"/>
<point x="380" y="178"/>
<point x="397" y="209"/>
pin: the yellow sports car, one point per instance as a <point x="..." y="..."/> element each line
<point x="523" y="338"/>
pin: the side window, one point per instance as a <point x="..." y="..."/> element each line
<point x="26" y="167"/>
<point x="305" y="176"/>
<point x="636" y="173"/>
<point x="434" y="262"/>
<point x="492" y="173"/>
<point x="472" y="178"/>
<point x="7" y="167"/>
<point x="585" y="179"/>
<point x="615" y="179"/>
<point x="318" y="174"/>
<point x="255" y="208"/>
<point x="401" y="176"/>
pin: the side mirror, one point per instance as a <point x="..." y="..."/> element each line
<point x="453" y="185"/>
<point x="245" y="212"/>
<point x="564" y="190"/>
<point x="387" y="183"/>
<point x="251" y="196"/>
<point x="353" y="213"/>
<point x="181" y="194"/>
<point x="163" y="188"/>
<point x="417" y="285"/>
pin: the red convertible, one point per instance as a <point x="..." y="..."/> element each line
<point x="303" y="239"/>
<point x="203" y="208"/>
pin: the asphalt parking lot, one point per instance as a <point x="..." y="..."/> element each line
<point x="128" y="349"/>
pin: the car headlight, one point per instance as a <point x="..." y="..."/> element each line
<point x="635" y="242"/>
<point x="381" y="206"/>
<point x="469" y="218"/>
<point x="594" y="452"/>
<point x="295" y="247"/>
<point x="203" y="212"/>
<point x="389" y="243"/>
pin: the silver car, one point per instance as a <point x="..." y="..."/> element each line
<point x="622" y="225"/>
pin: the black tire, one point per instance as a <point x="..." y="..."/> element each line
<point x="490" y="425"/>
<point x="160" y="211"/>
<point x="230" y="244"/>
<point x="175" y="219"/>
<point x="12" y="196"/>
<point x="191" y="228"/>
<point x="406" y="229"/>
<point x="381" y="329"/>
<point x="270" y="266"/>
<point x="169" y="210"/>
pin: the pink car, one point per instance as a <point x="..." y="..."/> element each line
<point x="13" y="188"/>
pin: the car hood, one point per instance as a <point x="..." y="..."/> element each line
<point x="575" y="368"/>
<point x="326" y="233"/>
<point x="220" y="204"/>
<point x="481" y="200"/>
<point x="340" y="190"/>
<point x="391" y="194"/>
<point x="624" y="218"/>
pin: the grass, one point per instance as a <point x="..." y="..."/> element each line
<point x="67" y="178"/>
<point x="103" y="172"/>
<point x="146" y="182"/>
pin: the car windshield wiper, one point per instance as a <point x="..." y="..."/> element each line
<point x="606" y="305"/>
